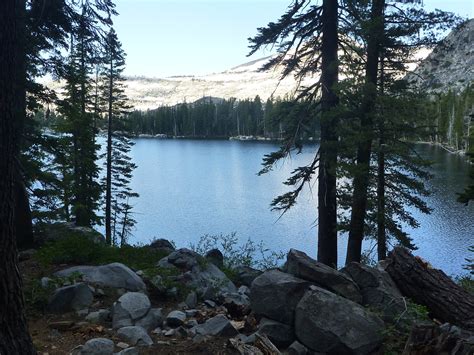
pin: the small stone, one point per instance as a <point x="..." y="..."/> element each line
<point x="169" y="332"/>
<point x="157" y="331"/>
<point x="190" y="312"/>
<point x="210" y="303"/>
<point x="83" y="312"/>
<point x="175" y="318"/>
<point x="244" y="290"/>
<point x="192" y="323"/>
<point x="122" y="345"/>
<point x="172" y="292"/>
<point x="140" y="273"/>
<point x="100" y="316"/>
<point x="45" y="282"/>
<point x="129" y="351"/>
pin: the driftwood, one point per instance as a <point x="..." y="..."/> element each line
<point x="265" y="345"/>
<point x="417" y="280"/>
<point x="432" y="339"/>
<point x="244" y="349"/>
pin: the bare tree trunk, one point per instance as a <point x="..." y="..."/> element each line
<point x="327" y="208"/>
<point x="108" y="191"/>
<point x="446" y="301"/>
<point x="14" y="337"/>
<point x="364" y="149"/>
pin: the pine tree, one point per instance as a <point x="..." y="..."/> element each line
<point x="119" y="167"/>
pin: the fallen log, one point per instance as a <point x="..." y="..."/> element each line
<point x="417" y="280"/>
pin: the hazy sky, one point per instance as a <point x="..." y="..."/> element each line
<point x="184" y="37"/>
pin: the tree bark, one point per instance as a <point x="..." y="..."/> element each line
<point x="445" y="300"/>
<point x="23" y="218"/>
<point x="108" y="191"/>
<point x="14" y="337"/>
<point x="327" y="207"/>
<point x="364" y="149"/>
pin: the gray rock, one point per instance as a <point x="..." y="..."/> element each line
<point x="162" y="244"/>
<point x="191" y="312"/>
<point x="135" y="303"/>
<point x="279" y="334"/>
<point x="83" y="312"/>
<point x="70" y="298"/>
<point x="275" y="294"/>
<point x="246" y="339"/>
<point x="129" y="351"/>
<point x="152" y="320"/>
<point x="246" y="274"/>
<point x="216" y="326"/>
<point x="120" y="317"/>
<point x="175" y="319"/>
<point x="114" y="275"/>
<point x="56" y="231"/>
<point x="244" y="290"/>
<point x="209" y="281"/>
<point x="378" y="290"/>
<point x="296" y="348"/>
<point x="46" y="282"/>
<point x="328" y="323"/>
<point x="301" y="265"/>
<point x="210" y="303"/>
<point x="184" y="259"/>
<point x="236" y="303"/>
<point x="215" y="256"/>
<point x="191" y="299"/>
<point x="98" y="346"/>
<point x="135" y="335"/>
<point x="100" y="316"/>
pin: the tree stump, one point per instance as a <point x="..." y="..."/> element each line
<point x="417" y="280"/>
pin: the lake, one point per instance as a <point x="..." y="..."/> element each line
<point x="189" y="188"/>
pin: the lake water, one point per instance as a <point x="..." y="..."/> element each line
<point x="189" y="188"/>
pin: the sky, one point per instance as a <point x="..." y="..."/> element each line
<point x="163" y="38"/>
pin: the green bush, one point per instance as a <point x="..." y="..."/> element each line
<point x="80" y="250"/>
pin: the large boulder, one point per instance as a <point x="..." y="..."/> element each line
<point x="98" y="346"/>
<point x="275" y="294"/>
<point x="129" y="308"/>
<point x="377" y="288"/>
<point x="215" y="256"/>
<point x="301" y="265"/>
<point x="135" y="335"/>
<point x="238" y="304"/>
<point x="114" y="275"/>
<point x="61" y="230"/>
<point x="246" y="274"/>
<point x="197" y="273"/>
<point x="70" y="298"/>
<point x="152" y="320"/>
<point x="282" y="335"/>
<point x="163" y="245"/>
<point x="216" y="326"/>
<point x="328" y="323"/>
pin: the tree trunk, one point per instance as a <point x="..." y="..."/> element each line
<point x="327" y="207"/>
<point x="446" y="301"/>
<point x="14" y="337"/>
<point x="23" y="219"/>
<point x="381" y="232"/>
<point x="108" y="192"/>
<point x="361" y="178"/>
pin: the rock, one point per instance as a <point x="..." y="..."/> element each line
<point x="135" y="335"/>
<point x="237" y="304"/>
<point x="175" y="319"/>
<point x="135" y="303"/>
<point x="210" y="303"/>
<point x="162" y="244"/>
<point x="275" y="294"/>
<point x="246" y="274"/>
<point x="100" y="316"/>
<point x="244" y="290"/>
<point x="282" y="335"/>
<point x="184" y="259"/>
<point x="296" y="348"/>
<point x="56" y="231"/>
<point x="83" y="312"/>
<point x="328" y="323"/>
<point x="191" y="300"/>
<point x="26" y="254"/>
<point x="114" y="275"/>
<point x="129" y="351"/>
<point x="190" y="312"/>
<point x="215" y="256"/>
<point x="98" y="346"/>
<point x="246" y="339"/>
<point x="152" y="320"/>
<point x="46" y="282"/>
<point x="120" y="317"/>
<point x="301" y="265"/>
<point x="70" y="298"/>
<point x="216" y="326"/>
<point x="378" y="290"/>
<point x="122" y="345"/>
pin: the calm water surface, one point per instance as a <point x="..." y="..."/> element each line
<point x="189" y="188"/>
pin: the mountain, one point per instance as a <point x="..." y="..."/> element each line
<point x="242" y="82"/>
<point x="450" y="65"/>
